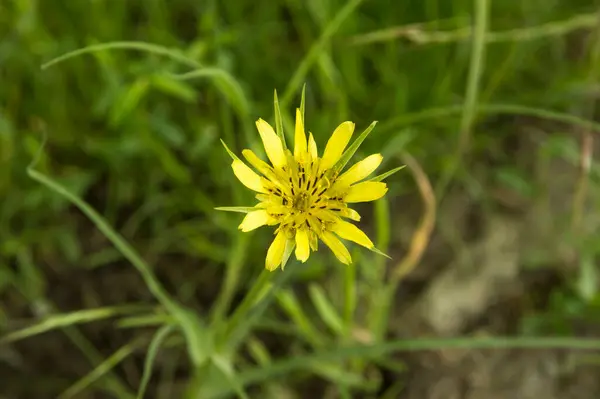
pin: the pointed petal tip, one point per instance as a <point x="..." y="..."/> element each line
<point x="272" y="268"/>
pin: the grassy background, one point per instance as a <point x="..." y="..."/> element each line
<point x="457" y="85"/>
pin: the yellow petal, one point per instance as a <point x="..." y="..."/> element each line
<point x="254" y="220"/>
<point x="314" y="241"/>
<point x="336" y="144"/>
<point x="272" y="144"/>
<point x="302" y="245"/>
<point x="258" y="163"/>
<point x="312" y="147"/>
<point x="349" y="213"/>
<point x="247" y="176"/>
<point x="366" y="191"/>
<point x="276" y="250"/>
<point x="337" y="247"/>
<point x="348" y="231"/>
<point x="360" y="170"/>
<point x="300" y="137"/>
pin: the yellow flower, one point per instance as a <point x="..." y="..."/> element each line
<point x="305" y="195"/>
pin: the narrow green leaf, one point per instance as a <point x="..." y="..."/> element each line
<point x="240" y="209"/>
<point x="380" y="253"/>
<point x="347" y="155"/>
<point x="128" y="101"/>
<point x="303" y="104"/>
<point x="150" y="320"/>
<point x="103" y="368"/>
<point x="258" y="351"/>
<point x="380" y="350"/>
<point x="291" y="305"/>
<point x="226" y="84"/>
<point x="337" y="374"/>
<point x="231" y="154"/>
<point x="225" y="366"/>
<point x="387" y="174"/>
<point x="175" y="55"/>
<point x="195" y="334"/>
<point x="325" y="309"/>
<point x="62" y="320"/>
<point x="198" y="337"/>
<point x="155" y="345"/>
<point x="278" y="120"/>
<point x="168" y="85"/>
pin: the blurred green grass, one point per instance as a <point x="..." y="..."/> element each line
<point x="140" y="143"/>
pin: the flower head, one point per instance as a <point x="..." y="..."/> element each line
<point x="306" y="195"/>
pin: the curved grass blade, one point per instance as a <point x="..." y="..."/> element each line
<point x="227" y="84"/>
<point x="155" y="344"/>
<point x="175" y="55"/>
<point x="63" y="320"/>
<point x="304" y="362"/>
<point x="510" y="109"/>
<point x="103" y="368"/>
<point x="326" y="309"/>
<point x="226" y="368"/>
<point x="197" y="338"/>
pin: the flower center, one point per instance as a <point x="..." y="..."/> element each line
<point x="301" y="202"/>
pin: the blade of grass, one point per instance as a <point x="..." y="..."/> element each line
<point x="112" y="383"/>
<point x="253" y="306"/>
<point x="233" y="272"/>
<point x="155" y="344"/>
<point x="227" y="369"/>
<point x="491" y="109"/>
<point x="103" y="368"/>
<point x="227" y="84"/>
<point x="56" y="321"/>
<point x="417" y="34"/>
<point x="367" y="352"/>
<point x="316" y="48"/>
<point x="175" y="55"/>
<point x="189" y="322"/>
<point x="291" y="305"/>
<point x="325" y="308"/>
<point x="469" y="112"/>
